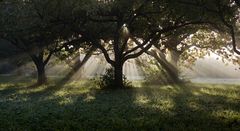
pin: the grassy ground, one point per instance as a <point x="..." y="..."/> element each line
<point x="79" y="106"/>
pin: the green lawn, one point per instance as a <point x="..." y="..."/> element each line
<point x="80" y="106"/>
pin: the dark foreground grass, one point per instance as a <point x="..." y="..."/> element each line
<point x="77" y="106"/>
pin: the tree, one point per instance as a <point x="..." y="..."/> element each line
<point x="169" y="46"/>
<point x="225" y="14"/>
<point x="206" y="42"/>
<point x="172" y="42"/>
<point x="48" y="26"/>
<point x="35" y="27"/>
<point x="113" y="23"/>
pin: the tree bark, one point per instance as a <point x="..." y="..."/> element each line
<point x="41" y="76"/>
<point x="175" y="56"/>
<point x="40" y="64"/>
<point x="118" y="48"/>
<point x="118" y="75"/>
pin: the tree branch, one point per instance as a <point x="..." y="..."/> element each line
<point x="230" y="27"/>
<point x="104" y="51"/>
<point x="197" y="5"/>
<point x="151" y="41"/>
<point x="48" y="58"/>
<point x="139" y="45"/>
<point x="102" y="20"/>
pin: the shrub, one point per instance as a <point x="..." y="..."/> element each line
<point x="106" y="81"/>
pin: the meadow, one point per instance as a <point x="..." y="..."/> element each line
<point x="80" y="105"/>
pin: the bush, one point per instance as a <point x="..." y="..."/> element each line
<point x="106" y="81"/>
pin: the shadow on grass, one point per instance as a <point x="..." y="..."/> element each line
<point x="77" y="107"/>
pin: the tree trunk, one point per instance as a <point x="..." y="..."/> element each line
<point x="40" y="65"/>
<point x="118" y="75"/>
<point x="41" y="76"/>
<point x="174" y="58"/>
<point x="118" y="64"/>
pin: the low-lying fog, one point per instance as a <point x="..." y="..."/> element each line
<point x="207" y="70"/>
<point x="211" y="70"/>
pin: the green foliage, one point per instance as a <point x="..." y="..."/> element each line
<point x="207" y="42"/>
<point x="106" y="81"/>
<point x="44" y="26"/>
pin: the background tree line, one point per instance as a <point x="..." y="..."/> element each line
<point x="121" y="30"/>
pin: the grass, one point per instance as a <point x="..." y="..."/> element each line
<point x="80" y="106"/>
